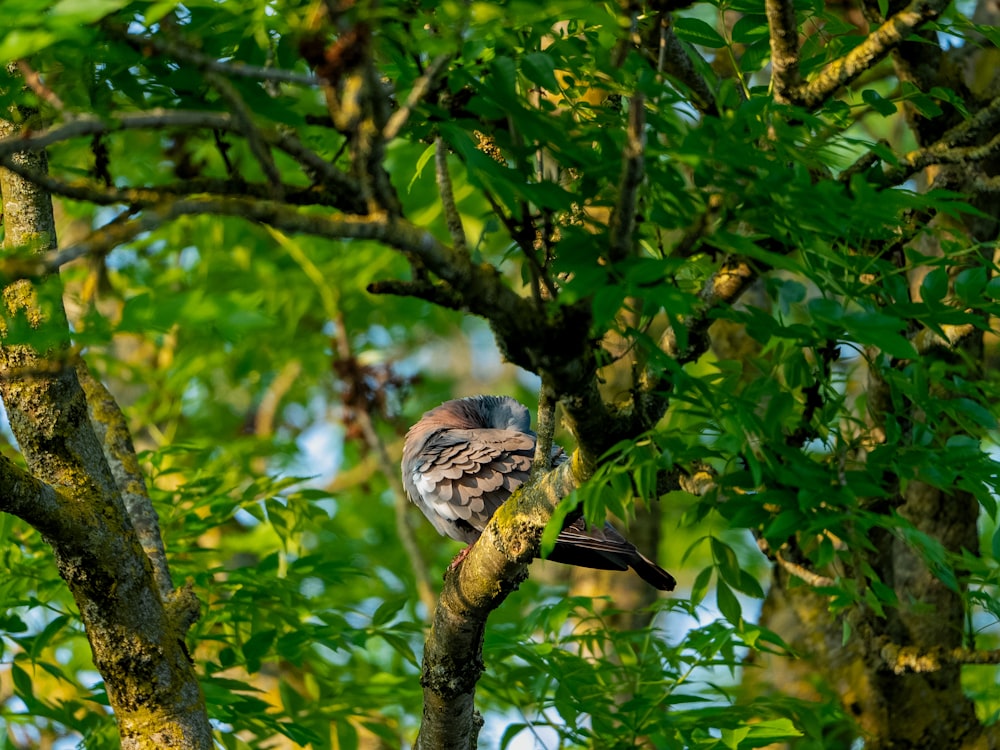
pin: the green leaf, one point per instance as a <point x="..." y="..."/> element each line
<point x="970" y="283"/>
<point x="883" y="106"/>
<point x="934" y="287"/>
<point x="539" y="68"/>
<point x="85" y="11"/>
<point x="726" y="561"/>
<point x="258" y="645"/>
<point x="728" y="604"/>
<point x="696" y="31"/>
<point x="421" y="163"/>
<point x="700" y="586"/>
<point x="23" y="683"/>
<point x="750" y="28"/>
<point x="387" y="611"/>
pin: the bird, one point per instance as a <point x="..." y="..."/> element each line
<point x="464" y="458"/>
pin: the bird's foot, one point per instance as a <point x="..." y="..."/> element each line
<point x="459" y="559"/>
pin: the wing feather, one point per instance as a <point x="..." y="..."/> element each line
<point x="465" y="475"/>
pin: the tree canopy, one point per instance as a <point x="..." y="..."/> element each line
<point x="739" y="254"/>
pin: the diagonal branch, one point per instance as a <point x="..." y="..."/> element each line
<point x="112" y="430"/>
<point x="876" y="46"/>
<point x="938" y="153"/>
<point x="674" y="59"/>
<point x="417" y="93"/>
<point x="724" y="286"/>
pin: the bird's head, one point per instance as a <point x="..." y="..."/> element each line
<point x="500" y="412"/>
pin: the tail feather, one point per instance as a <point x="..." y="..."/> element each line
<point x="606" y="549"/>
<point x="652" y="573"/>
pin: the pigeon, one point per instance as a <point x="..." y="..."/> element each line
<point x="463" y="459"/>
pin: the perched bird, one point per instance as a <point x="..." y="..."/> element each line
<point x="463" y="459"/>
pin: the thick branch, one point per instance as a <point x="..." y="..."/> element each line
<point x="30" y="499"/>
<point x="137" y="639"/>
<point x="784" y="48"/>
<point x="495" y="566"/>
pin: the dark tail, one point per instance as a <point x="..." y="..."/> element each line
<point x="652" y="573"/>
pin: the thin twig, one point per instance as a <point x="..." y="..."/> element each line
<point x="315" y="165"/>
<point x="438" y="294"/>
<point x="390" y="470"/>
<point x="863" y="163"/>
<point x="623" y="220"/>
<point x="451" y="215"/>
<point x="101" y="195"/>
<point x="249" y="130"/>
<point x="901" y="659"/>
<point x="41" y="89"/>
<point x="416" y="95"/>
<point x="204" y="62"/>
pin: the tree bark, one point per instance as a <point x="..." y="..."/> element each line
<point x="70" y="495"/>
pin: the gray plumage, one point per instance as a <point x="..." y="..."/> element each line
<point x="463" y="459"/>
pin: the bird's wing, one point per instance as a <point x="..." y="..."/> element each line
<point x="463" y="476"/>
<point x="597" y="539"/>
<point x="606" y="549"/>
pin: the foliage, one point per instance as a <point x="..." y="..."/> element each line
<point x="844" y="377"/>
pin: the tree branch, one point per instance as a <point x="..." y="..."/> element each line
<point x="674" y="59"/>
<point x="416" y="95"/>
<point x="136" y="637"/>
<point x="361" y="416"/>
<point x="938" y="153"/>
<point x="902" y="659"/>
<point x="32" y="500"/>
<point x="493" y="568"/>
<point x="876" y="46"/>
<point x="622" y="226"/>
<point x="203" y="62"/>
<point x="784" y="49"/>
<point x="315" y="166"/>
<point x="249" y="130"/>
<point x="112" y="430"/>
<point x="451" y="215"/>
